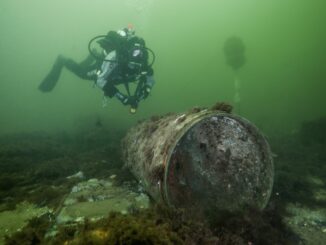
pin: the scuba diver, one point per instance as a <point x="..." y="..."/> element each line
<point x="124" y="60"/>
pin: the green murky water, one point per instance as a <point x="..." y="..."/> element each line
<point x="280" y="86"/>
<point x="282" y="82"/>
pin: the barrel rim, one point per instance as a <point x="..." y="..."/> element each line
<point x="202" y="116"/>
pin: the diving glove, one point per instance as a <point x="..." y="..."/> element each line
<point x="132" y="101"/>
<point x="133" y="110"/>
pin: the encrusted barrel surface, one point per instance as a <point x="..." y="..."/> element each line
<point x="202" y="160"/>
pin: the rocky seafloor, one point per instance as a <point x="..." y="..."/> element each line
<point x="73" y="189"/>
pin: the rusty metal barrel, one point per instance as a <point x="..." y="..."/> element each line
<point x="201" y="160"/>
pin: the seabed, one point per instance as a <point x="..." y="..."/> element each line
<point x="73" y="189"/>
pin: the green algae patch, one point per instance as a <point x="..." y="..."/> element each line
<point x="309" y="223"/>
<point x="14" y="220"/>
<point x="93" y="210"/>
<point x="95" y="199"/>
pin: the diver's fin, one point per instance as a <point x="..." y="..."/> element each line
<point x="51" y="79"/>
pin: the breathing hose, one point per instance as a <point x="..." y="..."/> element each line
<point x="103" y="59"/>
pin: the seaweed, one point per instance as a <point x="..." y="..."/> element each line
<point x="7" y="182"/>
<point x="162" y="225"/>
<point x="154" y="226"/>
<point x="313" y="132"/>
<point x="195" y="109"/>
<point x="34" y="167"/>
<point x="222" y="106"/>
<point x="33" y="233"/>
<point x="299" y="165"/>
<point x="255" y="227"/>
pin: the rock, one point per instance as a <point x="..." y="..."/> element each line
<point x="95" y="199"/>
<point x="113" y="176"/>
<point x="78" y="175"/>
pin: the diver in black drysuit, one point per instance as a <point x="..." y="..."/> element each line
<point x="125" y="60"/>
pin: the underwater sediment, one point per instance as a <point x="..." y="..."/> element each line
<point x="295" y="213"/>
